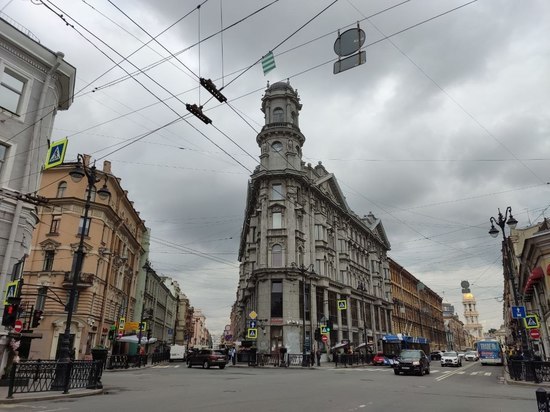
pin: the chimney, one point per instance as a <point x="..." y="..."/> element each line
<point x="106" y="167"/>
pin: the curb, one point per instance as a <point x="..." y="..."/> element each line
<point x="38" y="396"/>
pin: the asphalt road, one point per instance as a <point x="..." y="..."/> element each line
<point x="174" y="387"/>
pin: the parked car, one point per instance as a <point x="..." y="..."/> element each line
<point x="450" y="358"/>
<point x="207" y="358"/>
<point x="379" y="359"/>
<point x="412" y="361"/>
<point x="461" y="355"/>
<point x="436" y="355"/>
<point x="471" y="356"/>
<point x="178" y="352"/>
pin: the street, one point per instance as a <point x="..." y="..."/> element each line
<point x="174" y="387"/>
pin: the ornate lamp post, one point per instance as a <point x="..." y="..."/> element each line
<point x="303" y="270"/>
<point x="502" y="221"/>
<point x="363" y="288"/>
<point x="81" y="170"/>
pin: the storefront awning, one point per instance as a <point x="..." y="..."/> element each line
<point x="536" y="274"/>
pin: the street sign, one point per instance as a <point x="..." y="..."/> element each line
<point x="18" y="327"/>
<point x="12" y="291"/>
<point x="252" y="333"/>
<point x="534" y="333"/>
<point x="324" y="338"/>
<point x="56" y="153"/>
<point x="253" y="315"/>
<point x="531" y="322"/>
<point x="342" y="304"/>
<point x="253" y="323"/>
<point x="121" y="323"/>
<point x="518" y="312"/>
<point x="324" y="330"/>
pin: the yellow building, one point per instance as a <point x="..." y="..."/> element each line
<point x="107" y="283"/>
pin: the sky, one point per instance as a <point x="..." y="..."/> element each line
<point x="446" y="122"/>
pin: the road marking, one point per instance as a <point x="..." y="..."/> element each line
<point x="488" y="373"/>
<point x="461" y="373"/>
<point x="455" y="372"/>
<point x="474" y="373"/>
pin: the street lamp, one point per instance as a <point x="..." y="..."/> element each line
<point x="303" y="270"/>
<point x="81" y="170"/>
<point x="363" y="288"/>
<point x="502" y="221"/>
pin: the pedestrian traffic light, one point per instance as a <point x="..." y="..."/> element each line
<point x="36" y="318"/>
<point x="111" y="334"/>
<point x="149" y="333"/>
<point x="10" y="315"/>
<point x="317" y="334"/>
<point x="329" y="325"/>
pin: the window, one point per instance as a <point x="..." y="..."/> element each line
<point x="277" y="191"/>
<point x="3" y="151"/>
<point x="319" y="232"/>
<point x="48" y="260"/>
<point x="305" y="304"/>
<point x="277" y="256"/>
<point x="41" y="298"/>
<point x="276" y="299"/>
<point x="81" y="226"/>
<point x="61" y="187"/>
<point x="277" y="220"/>
<point x="278" y="115"/>
<point x="56" y="221"/>
<point x="12" y="86"/>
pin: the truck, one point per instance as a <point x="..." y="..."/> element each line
<point x="178" y="352"/>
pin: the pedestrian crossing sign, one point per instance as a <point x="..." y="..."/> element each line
<point x="531" y="322"/>
<point x="342" y="304"/>
<point x="12" y="291"/>
<point x="56" y="154"/>
<point x="252" y="333"/>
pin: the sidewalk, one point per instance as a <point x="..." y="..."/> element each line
<point x="44" y="396"/>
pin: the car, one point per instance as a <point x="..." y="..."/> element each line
<point x="451" y="358"/>
<point x="461" y="355"/>
<point x="412" y="361"/>
<point x="471" y="356"/>
<point x="379" y="359"/>
<point x="207" y="358"/>
<point x="436" y="355"/>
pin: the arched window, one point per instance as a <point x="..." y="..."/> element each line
<point x="61" y="187"/>
<point x="278" y="115"/>
<point x="277" y="256"/>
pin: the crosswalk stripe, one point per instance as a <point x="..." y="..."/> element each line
<point x="488" y="373"/>
<point x="460" y="373"/>
<point x="474" y="373"/>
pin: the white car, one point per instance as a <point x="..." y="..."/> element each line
<point x="450" y="359"/>
<point x="471" y="356"/>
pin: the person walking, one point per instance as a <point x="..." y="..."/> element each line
<point x="318" y="356"/>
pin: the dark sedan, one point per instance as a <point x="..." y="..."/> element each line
<point x="412" y="361"/>
<point x="207" y="358"/>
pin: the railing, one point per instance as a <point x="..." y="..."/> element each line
<point x="43" y="376"/>
<point x="350" y="359"/>
<point x="126" y="361"/>
<point x="529" y="370"/>
<point x="160" y="357"/>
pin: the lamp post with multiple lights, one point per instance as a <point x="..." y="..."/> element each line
<point x="81" y="170"/>
<point x="501" y="222"/>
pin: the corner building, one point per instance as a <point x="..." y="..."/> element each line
<point x="303" y="251"/>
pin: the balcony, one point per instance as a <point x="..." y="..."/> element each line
<point x="85" y="280"/>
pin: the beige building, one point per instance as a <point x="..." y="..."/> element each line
<point x="106" y="285"/>
<point x="417" y="310"/>
<point x="201" y="336"/>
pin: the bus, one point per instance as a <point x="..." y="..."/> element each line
<point x="490" y="352"/>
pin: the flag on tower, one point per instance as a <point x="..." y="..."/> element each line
<point x="268" y="63"/>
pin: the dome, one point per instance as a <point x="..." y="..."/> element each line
<point x="280" y="86"/>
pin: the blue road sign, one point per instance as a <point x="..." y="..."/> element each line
<point x="253" y="323"/>
<point x="518" y="312"/>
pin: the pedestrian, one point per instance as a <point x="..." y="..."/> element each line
<point x="233" y="354"/>
<point x="318" y="356"/>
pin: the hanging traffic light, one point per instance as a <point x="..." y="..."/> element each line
<point x="197" y="111"/>
<point x="10" y="315"/>
<point x="212" y="89"/>
<point x="36" y="318"/>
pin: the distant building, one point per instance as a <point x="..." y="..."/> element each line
<point x="417" y="310"/>
<point x="454" y="330"/>
<point x="306" y="258"/>
<point x="471" y="315"/>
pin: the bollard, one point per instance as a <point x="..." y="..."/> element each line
<point x="542" y="400"/>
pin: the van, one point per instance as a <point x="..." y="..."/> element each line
<point x="177" y="352"/>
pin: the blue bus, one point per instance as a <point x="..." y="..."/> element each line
<point x="490" y="352"/>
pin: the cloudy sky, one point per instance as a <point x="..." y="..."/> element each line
<point x="446" y="122"/>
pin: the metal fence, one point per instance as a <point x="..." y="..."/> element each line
<point x="529" y="370"/>
<point x="43" y="376"/>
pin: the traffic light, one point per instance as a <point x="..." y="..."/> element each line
<point x="111" y="335"/>
<point x="36" y="318"/>
<point x="10" y="315"/>
<point x="329" y="325"/>
<point x="149" y="333"/>
<point x="197" y="111"/>
<point x="317" y="334"/>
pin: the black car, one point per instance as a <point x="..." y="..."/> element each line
<point x="412" y="361"/>
<point x="207" y="358"/>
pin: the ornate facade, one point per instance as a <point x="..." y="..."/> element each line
<point x="306" y="258"/>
